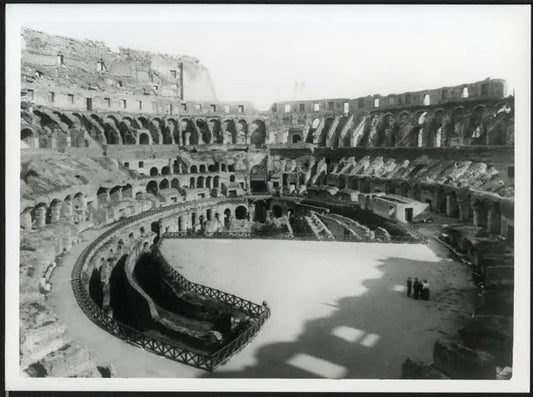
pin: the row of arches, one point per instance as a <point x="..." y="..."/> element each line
<point x="181" y="168"/>
<point x="113" y="129"/>
<point x="474" y="210"/>
<point x="210" y="182"/>
<point x="481" y="124"/>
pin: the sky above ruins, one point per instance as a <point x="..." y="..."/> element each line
<point x="273" y="53"/>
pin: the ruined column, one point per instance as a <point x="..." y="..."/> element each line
<point x="54" y="213"/>
<point x="494" y="219"/>
<point x="66" y="210"/>
<point x="25" y="220"/>
<point x="451" y="206"/>
<point x="464" y="208"/>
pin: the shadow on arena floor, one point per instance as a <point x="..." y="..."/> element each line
<point x="369" y="336"/>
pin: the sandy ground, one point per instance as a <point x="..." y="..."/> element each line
<point x="338" y="309"/>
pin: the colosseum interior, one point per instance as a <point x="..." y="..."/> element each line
<point x="158" y="221"/>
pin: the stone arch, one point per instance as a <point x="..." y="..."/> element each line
<point x="116" y="193"/>
<point x="111" y="118"/>
<point x="241" y="212"/>
<point x="203" y="168"/>
<point x="189" y="134"/>
<point x="208" y="182"/>
<point x="154" y="171"/>
<point x="454" y="134"/>
<point x="232" y="178"/>
<point x="38" y="215"/>
<point x="216" y="181"/>
<point x="128" y="137"/>
<point x="112" y="134"/>
<point x="27" y="136"/>
<point x="216" y="129"/>
<point x="296" y="138"/>
<point x="172" y="130"/>
<point x="175" y="183"/>
<point x="152" y="187"/>
<point x="242" y="131"/>
<point x="387" y="132"/>
<point x="260" y="211"/>
<point x="165" y="170"/>
<point x="227" y="216"/>
<point x="200" y="182"/>
<point x="435" y="132"/>
<point x="324" y="133"/>
<point x="142" y="122"/>
<point x="498" y="125"/>
<point x="277" y="211"/>
<point x="192" y="183"/>
<point x="163" y="184"/>
<point x="475" y="132"/>
<point x="64" y="118"/>
<point x="193" y="169"/>
<point x="144" y="139"/>
<point x="204" y="131"/>
<point x="229" y="129"/>
<point x="127" y="191"/>
<point x="97" y="118"/>
<point x="312" y="129"/>
<point x="53" y="211"/>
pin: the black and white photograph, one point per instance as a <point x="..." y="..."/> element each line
<point x="268" y="197"/>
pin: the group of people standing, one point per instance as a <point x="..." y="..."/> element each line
<point x="420" y="289"/>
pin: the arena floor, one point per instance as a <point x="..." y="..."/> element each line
<point x="339" y="310"/>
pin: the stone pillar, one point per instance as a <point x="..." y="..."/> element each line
<point x="102" y="198"/>
<point x="494" y="219"/>
<point x="451" y="206"/>
<point x="55" y="211"/>
<point x="187" y="138"/>
<point x="66" y="210"/>
<point x="116" y="196"/>
<point x="464" y="207"/>
<point x="25" y="220"/>
<point x="127" y="193"/>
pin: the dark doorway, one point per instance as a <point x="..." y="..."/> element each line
<point x="409" y="214"/>
<point x="258" y="186"/>
<point x="89" y="104"/>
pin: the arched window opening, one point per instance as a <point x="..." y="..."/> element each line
<point x="277" y="210"/>
<point x="144" y="139"/>
<point x="151" y="187"/>
<point x="241" y="212"/>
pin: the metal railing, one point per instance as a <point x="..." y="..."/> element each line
<point x="162" y="347"/>
<point x="286" y="236"/>
<point x="207" y="361"/>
